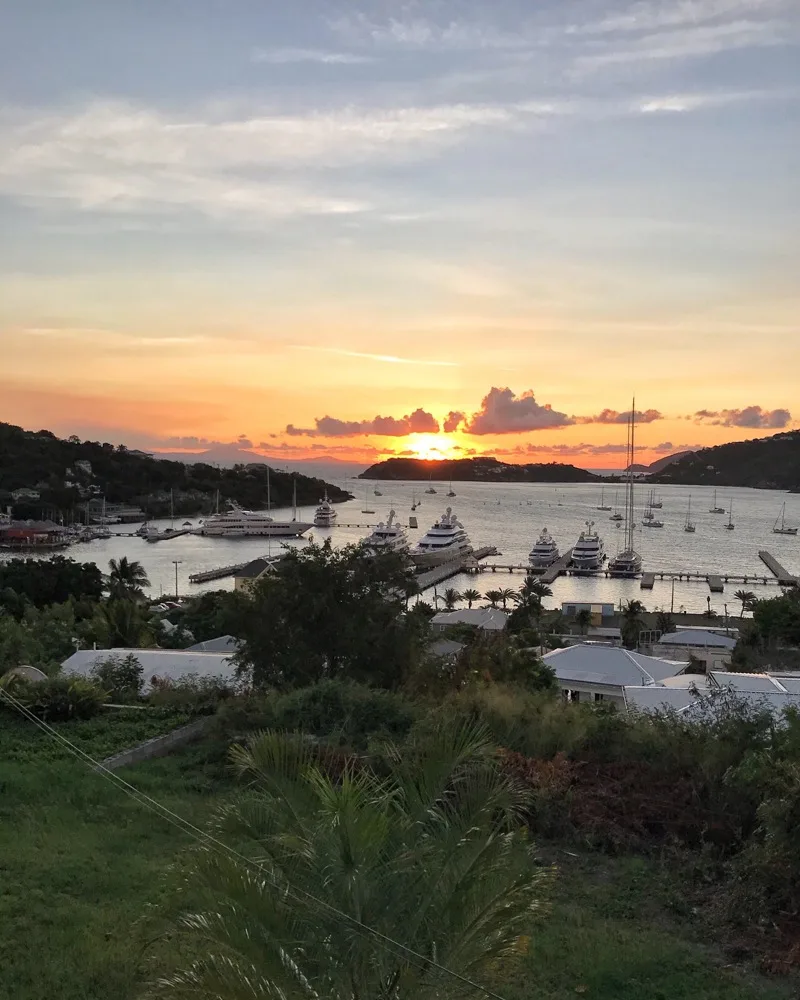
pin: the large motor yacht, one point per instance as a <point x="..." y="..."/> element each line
<point x="589" y="551"/>
<point x="239" y="523"/>
<point x="544" y="553"/>
<point x="325" y="515"/>
<point x="444" y="542"/>
<point x="389" y="536"/>
<point x="626" y="564"/>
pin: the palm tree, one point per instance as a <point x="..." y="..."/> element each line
<point x="451" y="598"/>
<point x="748" y="599"/>
<point x="583" y="620"/>
<point x="125" y="624"/>
<point x="126" y="580"/>
<point x="357" y="872"/>
<point x="632" y="623"/>
<point x="470" y="596"/>
<point x="493" y="597"/>
<point x="533" y="592"/>
<point x="507" y="594"/>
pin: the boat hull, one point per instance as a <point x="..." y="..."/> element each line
<point x="276" y="530"/>
<point x="427" y="560"/>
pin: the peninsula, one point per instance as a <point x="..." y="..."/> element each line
<point x="770" y="463"/>
<point x="480" y="470"/>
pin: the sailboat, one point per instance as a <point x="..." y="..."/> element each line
<point x="616" y="516"/>
<point x="450" y="492"/>
<point x="430" y="488"/>
<point x="377" y="492"/>
<point x="714" y="509"/>
<point x="414" y="502"/>
<point x="689" y="526"/>
<point x="628" y="563"/>
<point x="730" y="525"/>
<point x="366" y="508"/>
<point x="782" y="529"/>
<point x="603" y="504"/>
<point x="650" y="520"/>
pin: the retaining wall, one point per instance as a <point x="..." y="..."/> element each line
<point x="159" y="746"/>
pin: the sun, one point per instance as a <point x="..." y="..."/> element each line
<point x="431" y="446"/>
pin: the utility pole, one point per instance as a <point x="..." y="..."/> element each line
<point x="176" y="563"/>
<point x="672" y="601"/>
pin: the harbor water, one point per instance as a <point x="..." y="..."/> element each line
<point x="510" y="517"/>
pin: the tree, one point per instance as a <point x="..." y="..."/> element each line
<point x="329" y="612"/>
<point x="126" y="580"/>
<point x="665" y="623"/>
<point x="507" y="594"/>
<point x="747" y="599"/>
<point x="429" y="852"/>
<point x="583" y="620"/>
<point x="451" y="598"/>
<point x="51" y="581"/>
<point x="124" y="623"/>
<point x="121" y="677"/>
<point x="493" y="597"/>
<point x="632" y="623"/>
<point x="470" y="596"/>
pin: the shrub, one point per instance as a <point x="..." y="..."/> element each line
<point x="192" y="695"/>
<point x="121" y="677"/>
<point x="58" y="698"/>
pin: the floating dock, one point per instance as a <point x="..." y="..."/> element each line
<point x="648" y="581"/>
<point x="782" y="575"/>
<point x="715" y="583"/>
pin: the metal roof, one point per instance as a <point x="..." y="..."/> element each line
<point x="697" y="637"/>
<point x="168" y="664"/>
<point x="609" y="665"/>
<point x="655" y="698"/>
<point x="222" y="644"/>
<point x="488" y="618"/>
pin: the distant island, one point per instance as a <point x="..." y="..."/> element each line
<point x="42" y="475"/>
<point x="771" y="463"/>
<point x="479" y="470"/>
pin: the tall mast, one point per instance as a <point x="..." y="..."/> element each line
<point x="629" y="512"/>
<point x="294" y="498"/>
<point x="269" y="504"/>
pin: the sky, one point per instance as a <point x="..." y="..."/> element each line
<point x="371" y="228"/>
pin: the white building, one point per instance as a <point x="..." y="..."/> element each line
<point x="596" y="673"/>
<point x="694" y="698"/>
<point x="166" y="664"/>
<point x="486" y="619"/>
<point x="712" y="649"/>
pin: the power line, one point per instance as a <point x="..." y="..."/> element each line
<point x="197" y="834"/>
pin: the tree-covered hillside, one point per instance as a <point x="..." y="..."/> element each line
<point x="55" y="468"/>
<point x="764" y="463"/>
<point x="482" y="470"/>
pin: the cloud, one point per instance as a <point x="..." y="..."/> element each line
<point x="502" y="412"/>
<point x="750" y="416"/>
<point x="388" y="358"/>
<point x="279" y="57"/>
<point x="418" y="422"/>
<point x="453" y="421"/>
<point x="615" y="417"/>
<point x="424" y="34"/>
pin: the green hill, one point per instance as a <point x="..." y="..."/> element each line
<point x="57" y="470"/>
<point x="770" y="463"/>
<point x="481" y="470"/>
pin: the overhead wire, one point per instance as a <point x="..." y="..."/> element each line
<point x="200" y="835"/>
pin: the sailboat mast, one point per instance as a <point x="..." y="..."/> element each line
<point x="269" y="502"/>
<point x="294" y="498"/>
<point x="629" y="505"/>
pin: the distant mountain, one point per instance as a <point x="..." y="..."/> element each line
<point x="481" y="470"/>
<point x="57" y="475"/>
<point x="763" y="463"/>
<point x="226" y="456"/>
<point x="660" y="463"/>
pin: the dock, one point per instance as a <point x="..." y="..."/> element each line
<point x="648" y="581"/>
<point x="558" y="568"/>
<point x="219" y="573"/>
<point x="439" y="574"/>
<point x="715" y="583"/>
<point x="162" y="536"/>
<point x="782" y="575"/>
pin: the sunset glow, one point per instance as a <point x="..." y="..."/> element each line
<point x="351" y="235"/>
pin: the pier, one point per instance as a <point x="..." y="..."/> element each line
<point x="219" y="573"/>
<point x="162" y="536"/>
<point x="429" y="578"/>
<point x="782" y="575"/>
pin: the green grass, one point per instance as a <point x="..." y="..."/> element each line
<point x="81" y="865"/>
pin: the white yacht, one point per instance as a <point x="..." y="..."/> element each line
<point x="444" y="542"/>
<point x="239" y="523"/>
<point x="325" y="515"/>
<point x="628" y="562"/>
<point x="388" y="537"/>
<point x="544" y="553"/>
<point x="589" y="552"/>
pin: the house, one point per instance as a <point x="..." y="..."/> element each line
<point x="599" y="673"/>
<point x="712" y="649"/>
<point x="246" y="576"/>
<point x="165" y="664"/>
<point x="570" y="609"/>
<point x="693" y="695"/>
<point x="446" y="649"/>
<point x="222" y="644"/>
<point x="486" y="619"/>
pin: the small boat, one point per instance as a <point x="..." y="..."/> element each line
<point x="377" y="492"/>
<point x="730" y="525"/>
<point x="430" y="488"/>
<point x="714" y="509"/>
<point x="689" y="524"/>
<point x="781" y="529"/>
<point x="603" y="504"/>
<point x="616" y="516"/>
<point x="450" y="492"/>
<point x="366" y="509"/>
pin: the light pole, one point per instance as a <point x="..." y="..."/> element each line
<point x="176" y="563"/>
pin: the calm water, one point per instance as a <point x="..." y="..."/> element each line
<point x="510" y="516"/>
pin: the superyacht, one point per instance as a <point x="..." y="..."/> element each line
<point x="544" y="553"/>
<point x="444" y="542"/>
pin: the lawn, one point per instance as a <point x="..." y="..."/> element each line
<point x="81" y="864"/>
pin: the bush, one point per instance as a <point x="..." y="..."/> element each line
<point x="121" y="677"/>
<point x="192" y="696"/>
<point x="58" y="698"/>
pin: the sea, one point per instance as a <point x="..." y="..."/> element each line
<point x="510" y="517"/>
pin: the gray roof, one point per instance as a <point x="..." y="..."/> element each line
<point x="697" y="637"/>
<point x="446" y="647"/>
<point x="654" y="698"/>
<point x="593" y="664"/>
<point x="488" y="618"/>
<point x="254" y="569"/>
<point x="222" y="644"/>
<point x="169" y="664"/>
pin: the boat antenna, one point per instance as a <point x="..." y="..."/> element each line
<point x="294" y="497"/>
<point x="269" y="502"/>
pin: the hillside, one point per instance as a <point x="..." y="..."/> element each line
<point x="763" y="463"/>
<point x="660" y="463"/>
<point x="481" y="470"/>
<point x="68" y="473"/>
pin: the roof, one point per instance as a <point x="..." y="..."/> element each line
<point x="254" y="569"/>
<point x="169" y="664"/>
<point x="700" y="699"/>
<point x="486" y="618"/>
<point x="757" y="683"/>
<point x="446" y="647"/>
<point x="222" y="644"/>
<point x="654" y="698"/>
<point x="697" y="637"/>
<point x="609" y="665"/>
